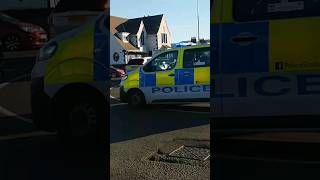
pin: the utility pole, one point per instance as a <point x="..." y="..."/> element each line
<point x="198" y="21"/>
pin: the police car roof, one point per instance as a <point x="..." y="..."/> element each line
<point x="190" y="47"/>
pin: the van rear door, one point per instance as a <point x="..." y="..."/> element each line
<point x="267" y="55"/>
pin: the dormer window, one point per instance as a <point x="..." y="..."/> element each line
<point x="124" y="36"/>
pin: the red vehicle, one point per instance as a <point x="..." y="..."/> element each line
<point x="115" y="73"/>
<point x="16" y="35"/>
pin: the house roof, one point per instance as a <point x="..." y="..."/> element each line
<point x="115" y="22"/>
<point x="119" y="24"/>
<point x="151" y="23"/>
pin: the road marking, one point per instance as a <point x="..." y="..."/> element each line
<point x="26" y="135"/>
<point x="206" y="158"/>
<point x="112" y="97"/>
<point x="176" y="150"/>
<point x="184" y="111"/>
<point x="119" y="104"/>
<point x="6" y="112"/>
<point x="14" y="79"/>
<point x="4" y="85"/>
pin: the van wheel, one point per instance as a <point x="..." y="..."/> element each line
<point x="79" y="118"/>
<point x="136" y="99"/>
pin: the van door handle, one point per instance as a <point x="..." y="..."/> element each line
<point x="171" y="75"/>
<point x="244" y="40"/>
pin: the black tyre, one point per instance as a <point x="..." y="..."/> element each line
<point x="136" y="99"/>
<point x="81" y="118"/>
<point x="41" y="114"/>
<point x="11" y="42"/>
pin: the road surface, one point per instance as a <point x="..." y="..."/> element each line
<point x="136" y="139"/>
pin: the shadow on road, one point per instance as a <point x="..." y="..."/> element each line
<point x="127" y="124"/>
<point x="39" y="158"/>
<point x="13" y="70"/>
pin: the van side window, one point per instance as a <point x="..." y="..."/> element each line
<point x="199" y="57"/>
<point x="164" y="62"/>
<point x="252" y="10"/>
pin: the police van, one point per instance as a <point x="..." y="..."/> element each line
<point x="69" y="89"/>
<point x="176" y="75"/>
<point x="266" y="60"/>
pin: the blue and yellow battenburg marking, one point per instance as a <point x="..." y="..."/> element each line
<point x="150" y="80"/>
<point x="178" y="83"/>
<point x="282" y="45"/>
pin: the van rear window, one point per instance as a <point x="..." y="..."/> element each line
<point x="252" y="10"/>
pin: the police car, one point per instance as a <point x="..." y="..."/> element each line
<point x="176" y="75"/>
<point x="69" y="86"/>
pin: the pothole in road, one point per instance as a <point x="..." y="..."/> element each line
<point x="184" y="151"/>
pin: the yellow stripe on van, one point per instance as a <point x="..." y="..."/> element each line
<point x="73" y="61"/>
<point x="215" y="12"/>
<point x="294" y="43"/>
<point x="227" y="14"/>
<point x="163" y="79"/>
<point x="133" y="80"/>
<point x="202" y="76"/>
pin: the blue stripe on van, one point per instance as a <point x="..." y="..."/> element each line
<point x="182" y="79"/>
<point x="147" y="80"/>
<point x="101" y="52"/>
<point x="214" y="41"/>
<point x="239" y="58"/>
<point x="242" y="57"/>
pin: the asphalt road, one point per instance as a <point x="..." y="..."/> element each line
<point x="135" y="137"/>
<point x="137" y="140"/>
<point x="29" y="154"/>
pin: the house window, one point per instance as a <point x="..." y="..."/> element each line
<point x="164" y="38"/>
<point x="142" y="38"/>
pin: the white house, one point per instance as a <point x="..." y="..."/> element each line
<point x="142" y="35"/>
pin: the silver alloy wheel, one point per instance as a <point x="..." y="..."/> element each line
<point x="12" y="43"/>
<point x="82" y="119"/>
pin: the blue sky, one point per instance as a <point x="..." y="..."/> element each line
<point x="181" y="15"/>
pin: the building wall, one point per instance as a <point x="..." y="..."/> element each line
<point x="115" y="47"/>
<point x="151" y="42"/>
<point x="164" y="29"/>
